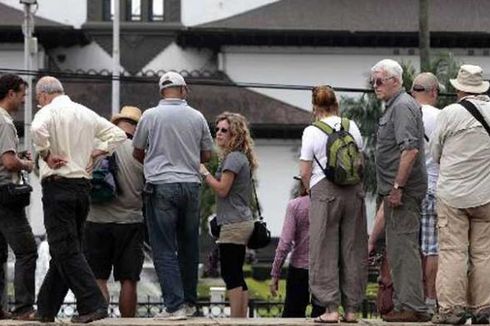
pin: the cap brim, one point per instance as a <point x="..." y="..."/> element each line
<point x="483" y="88"/>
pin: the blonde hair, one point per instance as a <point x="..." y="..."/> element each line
<point x="240" y="139"/>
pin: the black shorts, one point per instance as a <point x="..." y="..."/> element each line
<point x="119" y="245"/>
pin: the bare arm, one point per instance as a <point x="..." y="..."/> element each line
<point x="407" y="160"/>
<point x="222" y="186"/>
<point x="139" y="154"/>
<point x="205" y="156"/>
<point x="305" y="171"/>
<point x="14" y="164"/>
<point x="378" y="228"/>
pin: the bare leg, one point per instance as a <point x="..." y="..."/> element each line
<point x="430" y="272"/>
<point x="235" y="297"/>
<point x="128" y="298"/>
<point x="244" y="303"/>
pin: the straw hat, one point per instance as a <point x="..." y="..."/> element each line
<point x="127" y="112"/>
<point x="470" y="80"/>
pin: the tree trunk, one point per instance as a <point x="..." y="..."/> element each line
<point x="424" y="35"/>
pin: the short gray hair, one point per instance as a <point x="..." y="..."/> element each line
<point x="391" y="67"/>
<point x="49" y="85"/>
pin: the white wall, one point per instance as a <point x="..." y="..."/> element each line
<point x="69" y="12"/>
<point x="12" y="56"/>
<point x="176" y="58"/>
<point x="312" y="66"/>
<point x="90" y="56"/>
<point x="195" y="12"/>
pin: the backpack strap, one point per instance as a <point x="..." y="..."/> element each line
<point x="323" y="127"/>
<point x="345" y="124"/>
<point x="476" y="114"/>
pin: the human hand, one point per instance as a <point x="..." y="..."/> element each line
<point x="28" y="165"/>
<point x="395" y="197"/>
<point x="96" y="153"/>
<point x="274" y="286"/>
<point x="203" y="170"/>
<point x="55" y="161"/>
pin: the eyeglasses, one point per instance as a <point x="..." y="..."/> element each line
<point x="380" y="81"/>
<point x="223" y="130"/>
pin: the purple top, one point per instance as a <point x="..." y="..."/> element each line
<point x="294" y="237"/>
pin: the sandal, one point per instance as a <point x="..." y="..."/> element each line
<point x="321" y="320"/>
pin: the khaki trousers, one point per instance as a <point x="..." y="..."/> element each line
<point x="338" y="246"/>
<point x="463" y="278"/>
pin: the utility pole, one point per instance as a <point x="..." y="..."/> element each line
<point x="115" y="58"/>
<point x="30" y="54"/>
<point x="424" y="35"/>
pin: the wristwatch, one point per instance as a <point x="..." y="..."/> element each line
<point x="397" y="186"/>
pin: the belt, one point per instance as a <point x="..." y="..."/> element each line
<point x="58" y="178"/>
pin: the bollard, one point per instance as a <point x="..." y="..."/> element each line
<point x="217" y="300"/>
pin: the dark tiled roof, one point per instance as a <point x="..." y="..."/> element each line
<point x="264" y="113"/>
<point x="468" y="16"/>
<point x="11" y="17"/>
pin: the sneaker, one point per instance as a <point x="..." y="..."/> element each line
<point x="190" y="310"/>
<point x="456" y="317"/>
<point x="179" y="314"/>
<point x="481" y="317"/>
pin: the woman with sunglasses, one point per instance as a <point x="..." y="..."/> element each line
<point x="233" y="187"/>
<point x="338" y="233"/>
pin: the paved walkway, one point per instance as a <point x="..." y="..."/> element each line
<point x="206" y="322"/>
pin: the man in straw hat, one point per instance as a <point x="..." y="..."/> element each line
<point x="114" y="231"/>
<point x="461" y="146"/>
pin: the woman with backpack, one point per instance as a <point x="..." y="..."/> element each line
<point x="331" y="168"/>
<point x="233" y="186"/>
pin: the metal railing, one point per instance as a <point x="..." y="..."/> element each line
<point x="256" y="309"/>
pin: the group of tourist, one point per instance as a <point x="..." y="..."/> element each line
<point x="433" y="179"/>
<point x="432" y="170"/>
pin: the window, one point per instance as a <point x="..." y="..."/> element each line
<point x="135" y="10"/>
<point x="157" y="10"/>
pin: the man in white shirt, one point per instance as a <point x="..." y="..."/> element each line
<point x="461" y="146"/>
<point x="425" y="90"/>
<point x="64" y="133"/>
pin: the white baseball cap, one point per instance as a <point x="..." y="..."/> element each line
<point x="171" y="79"/>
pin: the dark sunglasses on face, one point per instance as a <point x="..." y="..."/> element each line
<point x="379" y="81"/>
<point x="223" y="130"/>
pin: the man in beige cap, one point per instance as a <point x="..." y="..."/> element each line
<point x="114" y="231"/>
<point x="461" y="146"/>
<point x="425" y="89"/>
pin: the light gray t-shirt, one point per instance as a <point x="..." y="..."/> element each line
<point x="173" y="134"/>
<point x="8" y="143"/>
<point x="236" y="206"/>
<point x="127" y="206"/>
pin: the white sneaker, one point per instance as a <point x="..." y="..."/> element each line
<point x="176" y="315"/>
<point x="190" y="311"/>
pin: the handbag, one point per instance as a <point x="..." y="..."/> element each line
<point x="16" y="195"/>
<point x="261" y="236"/>
<point x="213" y="227"/>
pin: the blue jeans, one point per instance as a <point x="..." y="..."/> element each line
<point x="172" y="213"/>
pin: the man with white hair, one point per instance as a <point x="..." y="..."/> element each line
<point x="461" y="146"/>
<point x="425" y="89"/>
<point x="402" y="184"/>
<point x="176" y="138"/>
<point x="64" y="133"/>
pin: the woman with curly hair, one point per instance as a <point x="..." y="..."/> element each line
<point x="233" y="187"/>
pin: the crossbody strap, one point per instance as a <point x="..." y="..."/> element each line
<point x="476" y="114"/>
<point x="255" y="196"/>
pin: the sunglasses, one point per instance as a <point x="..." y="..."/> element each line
<point x="223" y="130"/>
<point x="380" y="81"/>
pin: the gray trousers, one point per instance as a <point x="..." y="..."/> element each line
<point x="402" y="229"/>
<point x="338" y="246"/>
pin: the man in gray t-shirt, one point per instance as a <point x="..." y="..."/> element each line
<point x="402" y="183"/>
<point x="114" y="231"/>
<point x="172" y="139"/>
<point x="15" y="230"/>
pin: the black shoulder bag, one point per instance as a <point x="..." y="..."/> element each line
<point x="261" y="236"/>
<point x="15" y="195"/>
<point x="471" y="108"/>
